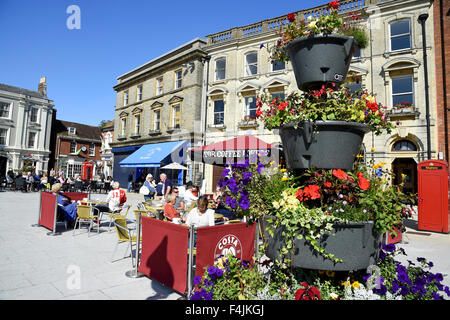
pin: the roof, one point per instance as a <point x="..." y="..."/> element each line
<point x="6" y="87"/>
<point x="83" y="131"/>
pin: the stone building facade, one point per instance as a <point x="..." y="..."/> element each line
<point x="157" y="102"/>
<point x="25" y="124"/>
<point x="392" y="67"/>
<point x="107" y="158"/>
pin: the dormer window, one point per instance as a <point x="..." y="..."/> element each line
<point x="72" y="130"/>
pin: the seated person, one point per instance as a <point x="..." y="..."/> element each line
<point x="179" y="203"/>
<point x="169" y="210"/>
<point x="116" y="198"/>
<point x="66" y="208"/>
<point x="201" y="216"/>
<point x="189" y="197"/>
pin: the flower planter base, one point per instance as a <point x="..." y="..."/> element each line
<point x="322" y="144"/>
<point x="354" y="243"/>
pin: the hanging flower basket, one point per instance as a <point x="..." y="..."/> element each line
<point x="321" y="59"/>
<point x="353" y="242"/>
<point x="322" y="144"/>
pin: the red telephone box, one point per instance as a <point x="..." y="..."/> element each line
<point x="87" y="170"/>
<point x="433" y="180"/>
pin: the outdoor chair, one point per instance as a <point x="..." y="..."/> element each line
<point x="107" y="187"/>
<point x="60" y="217"/>
<point x="19" y="184"/>
<point x="78" y="186"/>
<point x="124" y="235"/>
<point x="116" y="214"/>
<point x="142" y="212"/>
<point x="84" y="216"/>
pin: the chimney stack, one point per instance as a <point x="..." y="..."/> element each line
<point x="42" y="87"/>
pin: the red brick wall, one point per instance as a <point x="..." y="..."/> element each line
<point x="442" y="52"/>
<point x="64" y="149"/>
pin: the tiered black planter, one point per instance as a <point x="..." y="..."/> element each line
<point x="318" y="61"/>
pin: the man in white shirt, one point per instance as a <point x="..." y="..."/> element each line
<point x="116" y="198"/>
<point x="189" y="197"/>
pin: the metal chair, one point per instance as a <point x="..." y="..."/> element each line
<point x="116" y="214"/>
<point x="124" y="235"/>
<point x="84" y="216"/>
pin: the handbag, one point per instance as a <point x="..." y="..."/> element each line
<point x="144" y="190"/>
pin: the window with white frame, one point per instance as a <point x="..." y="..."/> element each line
<point x="220" y="69"/>
<point x="404" y="145"/>
<point x="137" y="123"/>
<point x="219" y="112"/>
<point x="400" y="34"/>
<point x="73" y="146"/>
<point x="125" y="98"/>
<point x="73" y="169"/>
<point x="175" y="123"/>
<point x="32" y="139"/>
<point x="178" y="78"/>
<point x="159" y="86"/>
<point x="251" y="64"/>
<point x="72" y="130"/>
<point x="92" y="149"/>
<point x="250" y="107"/>
<point x="5" y="109"/>
<point x="139" y="93"/>
<point x="123" y="126"/>
<point x="3" y="136"/>
<point x="156" y="119"/>
<point x="278" y="94"/>
<point x="402" y="90"/>
<point x="34" y="113"/>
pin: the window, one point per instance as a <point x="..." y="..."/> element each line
<point x="73" y="147"/>
<point x="3" y="136"/>
<point x="218" y="112"/>
<point x="31" y="139"/>
<point x="73" y="169"/>
<point x="357" y="54"/>
<point x="139" y="93"/>
<point x="279" y="95"/>
<point x="72" y="130"/>
<point x="278" y="65"/>
<point x="125" y="98"/>
<point x="123" y="127"/>
<point x="4" y="110"/>
<point x="159" y="86"/>
<point x="400" y="35"/>
<point x="250" y="107"/>
<point x="175" y="116"/>
<point x="92" y="149"/>
<point x="156" y="120"/>
<point x="251" y="64"/>
<point x="404" y="145"/>
<point x="178" y="78"/>
<point x="137" y="123"/>
<point x="34" y="114"/>
<point x="220" y="69"/>
<point x="402" y="90"/>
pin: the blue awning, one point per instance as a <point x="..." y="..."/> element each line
<point x="151" y="155"/>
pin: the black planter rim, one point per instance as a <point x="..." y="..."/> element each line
<point x="332" y="36"/>
<point x="362" y="126"/>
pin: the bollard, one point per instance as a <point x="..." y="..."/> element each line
<point x="134" y="273"/>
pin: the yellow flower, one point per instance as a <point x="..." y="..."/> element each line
<point x="283" y="170"/>
<point x="321" y="271"/>
<point x="346" y="283"/>
<point x="360" y="156"/>
<point x="284" y="178"/>
<point x="355" y="285"/>
<point x="403" y="176"/>
<point x="330" y="274"/>
<point x="372" y="149"/>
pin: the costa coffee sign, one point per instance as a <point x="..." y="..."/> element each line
<point x="229" y="244"/>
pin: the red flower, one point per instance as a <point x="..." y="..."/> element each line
<point x="340" y="174"/>
<point x="327" y="184"/>
<point x="258" y="112"/>
<point x="362" y="182"/>
<point x="283" y="106"/>
<point x="299" y="194"/>
<point x="333" y="5"/>
<point x="312" y="192"/>
<point x="309" y="293"/>
<point x="291" y="17"/>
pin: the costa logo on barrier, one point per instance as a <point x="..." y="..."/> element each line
<point x="229" y="244"/>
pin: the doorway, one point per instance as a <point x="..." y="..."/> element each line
<point x="405" y="169"/>
<point x="3" y="162"/>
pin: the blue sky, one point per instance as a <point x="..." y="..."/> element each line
<point x="82" y="65"/>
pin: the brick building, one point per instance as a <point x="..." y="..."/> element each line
<point x="74" y="144"/>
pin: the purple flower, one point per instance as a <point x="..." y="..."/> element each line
<point x="437" y="296"/>
<point x="197" y="280"/>
<point x="211" y="270"/>
<point x="219" y="272"/>
<point x="260" y="167"/>
<point x="404" y="290"/>
<point x="389" y="247"/>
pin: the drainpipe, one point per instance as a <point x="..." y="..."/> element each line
<point x="422" y="18"/>
<point x="205" y="59"/>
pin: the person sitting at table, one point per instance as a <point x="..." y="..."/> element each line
<point x="66" y="209"/>
<point x="179" y="201"/>
<point x="169" y="207"/>
<point x="116" y="198"/>
<point x="201" y="216"/>
<point x="189" y="197"/>
<point x="220" y="208"/>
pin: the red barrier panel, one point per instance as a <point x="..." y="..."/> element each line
<point x="47" y="210"/>
<point x="76" y="196"/>
<point x="212" y="242"/>
<point x="164" y="254"/>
